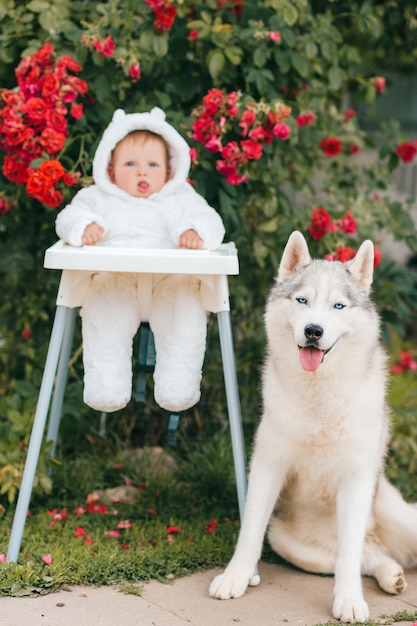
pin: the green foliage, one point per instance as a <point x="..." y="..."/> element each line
<point x="166" y="535"/>
<point x="319" y="62"/>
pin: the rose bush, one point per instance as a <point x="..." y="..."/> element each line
<point x="263" y="91"/>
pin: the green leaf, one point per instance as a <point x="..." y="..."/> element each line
<point x="215" y="62"/>
<point x="38" y="6"/>
<point x="260" y="56"/>
<point x="328" y="49"/>
<point x="234" y="54"/>
<point x="336" y="77"/>
<point x="160" y="45"/>
<point x="300" y="64"/>
<point x="289" y="14"/>
<point x="311" y="49"/>
<point x="288" y="36"/>
<point x="102" y="87"/>
<point x="270" y="226"/>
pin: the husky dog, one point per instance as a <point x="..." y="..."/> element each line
<point x="317" y="471"/>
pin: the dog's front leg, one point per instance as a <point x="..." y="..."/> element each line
<point x="263" y="488"/>
<point x="354" y="501"/>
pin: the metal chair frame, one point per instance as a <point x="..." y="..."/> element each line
<point x="77" y="265"/>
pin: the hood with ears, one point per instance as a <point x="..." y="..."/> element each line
<point x="124" y="123"/>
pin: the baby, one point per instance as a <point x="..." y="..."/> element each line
<point x="141" y="198"/>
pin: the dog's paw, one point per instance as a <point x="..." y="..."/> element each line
<point x="350" y="609"/>
<point x="394" y="584"/>
<point x="392" y="580"/>
<point x="226" y="586"/>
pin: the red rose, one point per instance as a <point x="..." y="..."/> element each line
<point x="306" y="119"/>
<point x="406" y="151"/>
<point x="321" y="223"/>
<point x="15" y="170"/>
<point x="164" y="18"/>
<point x="246" y="119"/>
<point x="331" y="146"/>
<point x="349" y="113"/>
<point x="252" y="149"/>
<point x="52" y="141"/>
<point x="204" y="128"/>
<point x="344" y="254"/>
<point x="212" y="101"/>
<point x="36" y="109"/>
<point x="348" y="224"/>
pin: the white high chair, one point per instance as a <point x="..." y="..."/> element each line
<point x="78" y="264"/>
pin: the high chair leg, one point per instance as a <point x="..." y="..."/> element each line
<point x="58" y="330"/>
<point x="233" y="406"/>
<point x="61" y="381"/>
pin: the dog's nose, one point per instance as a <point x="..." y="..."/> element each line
<point x="313" y="332"/>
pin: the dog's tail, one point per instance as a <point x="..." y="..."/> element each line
<point x="396" y="524"/>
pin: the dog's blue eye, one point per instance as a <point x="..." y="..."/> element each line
<point x="302" y="300"/>
<point x="339" y="306"/>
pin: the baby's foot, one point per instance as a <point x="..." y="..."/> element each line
<point x="178" y="389"/>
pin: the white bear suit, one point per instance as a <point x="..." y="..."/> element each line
<point x="111" y="313"/>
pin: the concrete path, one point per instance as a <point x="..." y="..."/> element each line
<point x="285" y="596"/>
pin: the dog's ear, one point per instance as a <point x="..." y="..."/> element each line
<point x="362" y="265"/>
<point x="294" y="257"/>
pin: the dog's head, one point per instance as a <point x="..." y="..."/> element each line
<point x="322" y="299"/>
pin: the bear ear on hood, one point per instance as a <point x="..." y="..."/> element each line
<point x="124" y="123"/>
<point x="118" y="116"/>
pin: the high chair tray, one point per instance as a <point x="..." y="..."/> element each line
<point x="62" y="256"/>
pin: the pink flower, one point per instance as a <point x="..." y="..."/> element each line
<point x="380" y="83"/>
<point x="113" y="534"/>
<point x="26" y="333"/>
<point x="47" y="559"/>
<point x="134" y="72"/>
<point x="124" y="524"/>
<point x="79" y="532"/>
<point x="281" y="131"/>
<point x="106" y="47"/>
<point x="3" y="558"/>
<point x="213" y="144"/>
<point x="77" y="111"/>
<point x="193" y="34"/>
<point x="80" y="511"/>
<point x="275" y="36"/>
<point x="348" y="223"/>
<point x="406" y="363"/>
<point x="305" y="119"/>
<point x="349" y="113"/>
<point x="246" y="119"/>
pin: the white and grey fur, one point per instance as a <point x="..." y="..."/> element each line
<point x="317" y="469"/>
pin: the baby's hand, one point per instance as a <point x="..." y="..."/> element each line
<point x="92" y="234"/>
<point x="190" y="239"/>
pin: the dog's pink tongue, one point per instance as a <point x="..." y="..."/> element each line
<point x="311" y="358"/>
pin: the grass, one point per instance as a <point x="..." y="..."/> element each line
<point x="181" y="520"/>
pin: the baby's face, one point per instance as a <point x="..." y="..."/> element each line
<point x="139" y="167"/>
